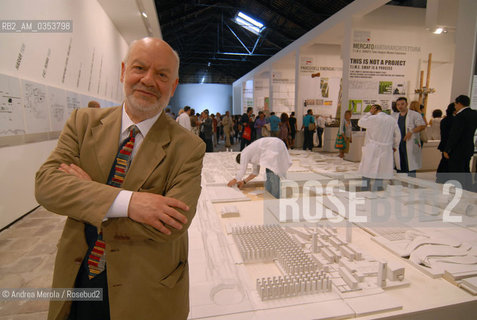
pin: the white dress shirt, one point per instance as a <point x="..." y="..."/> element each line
<point x="119" y="208"/>
<point x="184" y="120"/>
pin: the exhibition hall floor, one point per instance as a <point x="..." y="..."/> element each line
<point x="27" y="253"/>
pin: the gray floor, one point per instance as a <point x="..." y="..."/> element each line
<point x="27" y="254"/>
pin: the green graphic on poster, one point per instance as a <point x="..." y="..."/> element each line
<point x="385" y="87"/>
<point x="355" y="106"/>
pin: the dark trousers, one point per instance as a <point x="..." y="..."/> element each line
<point x="403" y="161"/>
<point x="319" y="132"/>
<point x="272" y="184"/>
<point x="90" y="310"/>
<point x="243" y="143"/>
<point x="460" y="169"/>
<point x="377" y="184"/>
<point x="443" y="172"/>
<point x="209" y="146"/>
<point x="308" y="141"/>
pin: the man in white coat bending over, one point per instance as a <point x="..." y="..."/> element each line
<point x="408" y="157"/>
<point x="382" y="139"/>
<point x="268" y="152"/>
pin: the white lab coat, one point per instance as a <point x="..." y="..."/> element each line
<point x="382" y="135"/>
<point x="184" y="120"/>
<point x="413" y="145"/>
<point x="268" y="152"/>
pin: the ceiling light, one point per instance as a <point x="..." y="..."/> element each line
<point x="249" y="23"/>
<point x="438" y="30"/>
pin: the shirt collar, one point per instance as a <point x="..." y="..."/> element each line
<point x="143" y="126"/>
<point x="461" y="110"/>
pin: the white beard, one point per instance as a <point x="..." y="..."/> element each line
<point x="142" y="109"/>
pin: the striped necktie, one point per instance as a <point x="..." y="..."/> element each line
<point x="97" y="259"/>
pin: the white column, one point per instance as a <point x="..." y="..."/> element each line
<point x="465" y="48"/>
<point x="298" y="105"/>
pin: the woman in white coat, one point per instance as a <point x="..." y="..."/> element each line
<point x="408" y="156"/>
<point x="382" y="138"/>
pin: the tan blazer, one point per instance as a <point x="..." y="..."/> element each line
<point x="147" y="270"/>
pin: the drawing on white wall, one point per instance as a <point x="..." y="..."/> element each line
<point x="35" y="107"/>
<point x="57" y="102"/>
<point x="325" y="89"/>
<point x="72" y="102"/>
<point x="399" y="89"/>
<point x="11" y="113"/>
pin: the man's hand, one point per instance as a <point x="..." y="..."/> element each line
<point x="232" y="183"/>
<point x="446" y="155"/>
<point x="373" y="110"/>
<point x="157" y="211"/>
<point x="407" y="136"/>
<point x="394" y="149"/>
<point x="75" y="170"/>
<point x="240" y="184"/>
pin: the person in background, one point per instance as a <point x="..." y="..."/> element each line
<point x="214" y="129"/>
<point x="274" y="121"/>
<point x="268" y="152"/>
<point x="419" y="108"/>
<point x="292" y="122"/>
<point x="408" y="158"/>
<point x="320" y="127"/>
<point x="168" y="113"/>
<point x="245" y="121"/>
<point x="307" y="121"/>
<point x="382" y="139"/>
<point x="227" y="125"/>
<point x="284" y="129"/>
<point x="460" y="146"/>
<point x="435" y="125"/>
<point x="93" y="104"/>
<point x="207" y="131"/>
<point x="219" y="131"/>
<point x="184" y="118"/>
<point x="260" y="122"/>
<point x="194" y="122"/>
<point x="347" y="130"/>
<point x="442" y="173"/>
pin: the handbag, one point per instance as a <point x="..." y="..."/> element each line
<point x="340" y="142"/>
<point x="247" y="133"/>
<point x="423" y="135"/>
<point x="266" y="130"/>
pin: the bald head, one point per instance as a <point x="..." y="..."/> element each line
<point x="149" y="74"/>
<point x="152" y="42"/>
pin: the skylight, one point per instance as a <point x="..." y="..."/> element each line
<point x="249" y="23"/>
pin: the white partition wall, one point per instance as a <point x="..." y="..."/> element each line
<point x="321" y="69"/>
<point x="44" y="77"/>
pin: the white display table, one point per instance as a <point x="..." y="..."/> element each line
<point x="354" y="153"/>
<point x="431" y="156"/>
<point x="329" y="138"/>
<point x="223" y="286"/>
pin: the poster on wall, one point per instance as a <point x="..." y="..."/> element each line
<point x="283" y="92"/>
<point x="320" y="85"/>
<point x="35" y="107"/>
<point x="11" y="107"/>
<point x="57" y="102"/>
<point x="379" y="67"/>
<point x="73" y="101"/>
